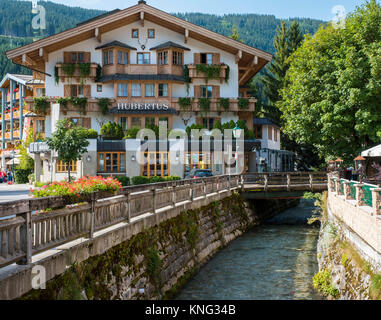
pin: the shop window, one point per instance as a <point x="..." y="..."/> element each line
<point x="198" y="160"/>
<point x="61" y="166"/>
<point x="151" y="33"/>
<point x="111" y="162"/>
<point x="163" y="90"/>
<point x="123" y="122"/>
<point x="155" y="164"/>
<point x="150" y="90"/>
<point x="136" y="122"/>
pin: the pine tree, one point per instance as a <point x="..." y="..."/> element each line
<point x="274" y="76"/>
<point x="295" y="37"/>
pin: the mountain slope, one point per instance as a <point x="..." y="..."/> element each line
<point x="16" y="28"/>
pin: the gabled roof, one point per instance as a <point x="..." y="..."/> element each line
<point x="251" y="60"/>
<point x="19" y="78"/>
<point x="115" y="43"/>
<point x="169" y="44"/>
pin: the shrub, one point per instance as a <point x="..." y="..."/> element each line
<point x="193" y="127"/>
<point x="75" y="189"/>
<point x="125" y="181"/>
<point x="140" y="180"/>
<point x="80" y="103"/>
<point x="132" y="133"/>
<point x="91" y="133"/>
<point x="212" y="71"/>
<point x="63" y="102"/>
<point x="22" y="175"/>
<point x="322" y="281"/>
<point x="148" y="180"/>
<point x="112" y="131"/>
<point x="40" y="184"/>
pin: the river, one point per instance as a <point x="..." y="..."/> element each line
<point x="276" y="260"/>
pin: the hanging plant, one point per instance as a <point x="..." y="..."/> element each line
<point x="69" y="69"/>
<point x="80" y="103"/>
<point x="243" y="103"/>
<point x="84" y="70"/>
<point x="99" y="73"/>
<point x="56" y="76"/>
<point x="212" y="71"/>
<point x="227" y="74"/>
<point x="40" y="105"/>
<point x="187" y="79"/>
<point x="224" y="103"/>
<point x="103" y="104"/>
<point x="63" y="102"/>
<point x="185" y="103"/>
<point x="204" y="105"/>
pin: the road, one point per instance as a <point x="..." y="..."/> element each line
<point x="13" y="192"/>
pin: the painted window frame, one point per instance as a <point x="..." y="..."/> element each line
<point x="120" y="165"/>
<point x="148" y="33"/>
<point x="132" y="33"/>
<point x="61" y="167"/>
<point x="146" y="156"/>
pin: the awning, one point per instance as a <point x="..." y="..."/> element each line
<point x="372" y="152"/>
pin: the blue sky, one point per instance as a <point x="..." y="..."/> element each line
<point x="319" y="9"/>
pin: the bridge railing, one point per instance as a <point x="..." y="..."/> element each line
<point x="362" y="194"/>
<point x="31" y="226"/>
<point x="287" y="179"/>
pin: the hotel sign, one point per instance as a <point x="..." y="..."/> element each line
<point x="143" y="106"/>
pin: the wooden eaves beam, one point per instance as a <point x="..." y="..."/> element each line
<point x="250" y="68"/>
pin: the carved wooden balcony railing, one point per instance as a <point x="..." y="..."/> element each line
<point x="194" y="74"/>
<point x="215" y="106"/>
<point x="62" y="75"/>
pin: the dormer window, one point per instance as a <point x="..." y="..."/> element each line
<point x="206" y="58"/>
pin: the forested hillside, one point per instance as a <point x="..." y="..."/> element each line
<point x="16" y="29"/>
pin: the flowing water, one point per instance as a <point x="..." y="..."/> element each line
<point x="276" y="260"/>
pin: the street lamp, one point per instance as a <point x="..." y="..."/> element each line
<point x="359" y="166"/>
<point x="237" y="131"/>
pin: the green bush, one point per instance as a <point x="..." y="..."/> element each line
<point x="132" y="133"/>
<point x="125" y="181"/>
<point x="185" y="103"/>
<point x="112" y="131"/>
<point x="243" y="103"/>
<point x="204" y="105"/>
<point x="322" y="282"/>
<point x="193" y="127"/>
<point x="90" y="133"/>
<point x="145" y="180"/>
<point x="224" y="103"/>
<point x="40" y="105"/>
<point x="22" y="175"/>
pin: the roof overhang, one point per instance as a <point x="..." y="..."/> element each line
<point x="5" y="82"/>
<point x="249" y="59"/>
<point x="372" y="152"/>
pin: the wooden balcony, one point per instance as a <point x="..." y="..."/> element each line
<point x="131" y="69"/>
<point x="62" y="75"/>
<point x="215" y="107"/>
<point x="193" y="74"/>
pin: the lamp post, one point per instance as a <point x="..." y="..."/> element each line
<point x="359" y="166"/>
<point x="237" y="131"/>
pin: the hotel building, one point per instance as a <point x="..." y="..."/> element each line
<point x="139" y="67"/>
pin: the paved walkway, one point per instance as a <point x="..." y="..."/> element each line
<point x="13" y="192"/>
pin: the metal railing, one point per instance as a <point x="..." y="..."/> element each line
<point x="31" y="226"/>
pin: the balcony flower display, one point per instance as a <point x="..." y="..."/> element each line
<point x="76" y="189"/>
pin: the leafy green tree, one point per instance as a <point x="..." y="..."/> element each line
<point x="69" y="141"/>
<point x="235" y="34"/>
<point x="333" y="87"/>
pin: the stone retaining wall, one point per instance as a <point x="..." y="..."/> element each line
<point x="155" y="261"/>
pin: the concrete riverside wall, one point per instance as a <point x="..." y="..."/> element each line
<point x="348" y="251"/>
<point x="360" y="226"/>
<point x="149" y="258"/>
